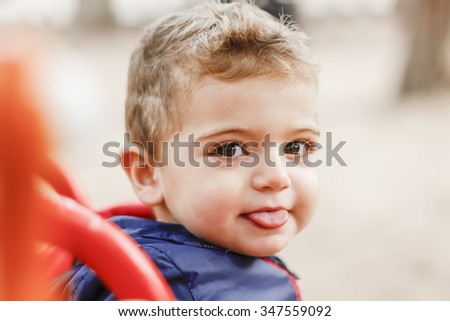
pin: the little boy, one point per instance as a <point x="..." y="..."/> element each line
<point x="223" y="98"/>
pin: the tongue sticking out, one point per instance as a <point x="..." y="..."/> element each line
<point x="272" y="219"/>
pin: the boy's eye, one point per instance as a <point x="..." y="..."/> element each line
<point x="230" y="149"/>
<point x="298" y="148"/>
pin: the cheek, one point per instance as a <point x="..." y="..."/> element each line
<point x="209" y="208"/>
<point x="218" y="188"/>
<point x="204" y="189"/>
<point x="307" y="188"/>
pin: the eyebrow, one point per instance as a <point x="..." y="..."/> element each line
<point x="224" y="131"/>
<point x="251" y="133"/>
<point x="312" y="130"/>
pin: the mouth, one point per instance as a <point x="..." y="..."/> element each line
<point x="268" y="218"/>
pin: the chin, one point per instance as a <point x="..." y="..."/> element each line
<point x="262" y="251"/>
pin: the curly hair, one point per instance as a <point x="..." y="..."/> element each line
<point x="228" y="41"/>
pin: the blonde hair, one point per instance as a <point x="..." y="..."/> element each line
<point x="227" y="41"/>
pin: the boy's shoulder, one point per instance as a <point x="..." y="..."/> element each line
<point x="206" y="268"/>
<point x="195" y="269"/>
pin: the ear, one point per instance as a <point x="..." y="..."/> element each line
<point x="142" y="176"/>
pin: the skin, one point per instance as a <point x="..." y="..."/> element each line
<point x="213" y="202"/>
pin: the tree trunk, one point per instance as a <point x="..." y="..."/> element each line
<point x="95" y="14"/>
<point x="428" y="23"/>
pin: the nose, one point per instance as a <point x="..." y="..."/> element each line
<point x="271" y="175"/>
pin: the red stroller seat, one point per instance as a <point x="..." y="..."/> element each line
<point x="58" y="219"/>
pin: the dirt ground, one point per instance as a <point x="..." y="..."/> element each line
<point x="382" y="226"/>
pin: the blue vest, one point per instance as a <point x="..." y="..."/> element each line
<point x="194" y="269"/>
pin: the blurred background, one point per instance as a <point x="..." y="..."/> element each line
<point x="382" y="227"/>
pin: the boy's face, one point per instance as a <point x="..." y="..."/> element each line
<point x="245" y="186"/>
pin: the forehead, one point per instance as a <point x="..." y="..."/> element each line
<point x="265" y="102"/>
